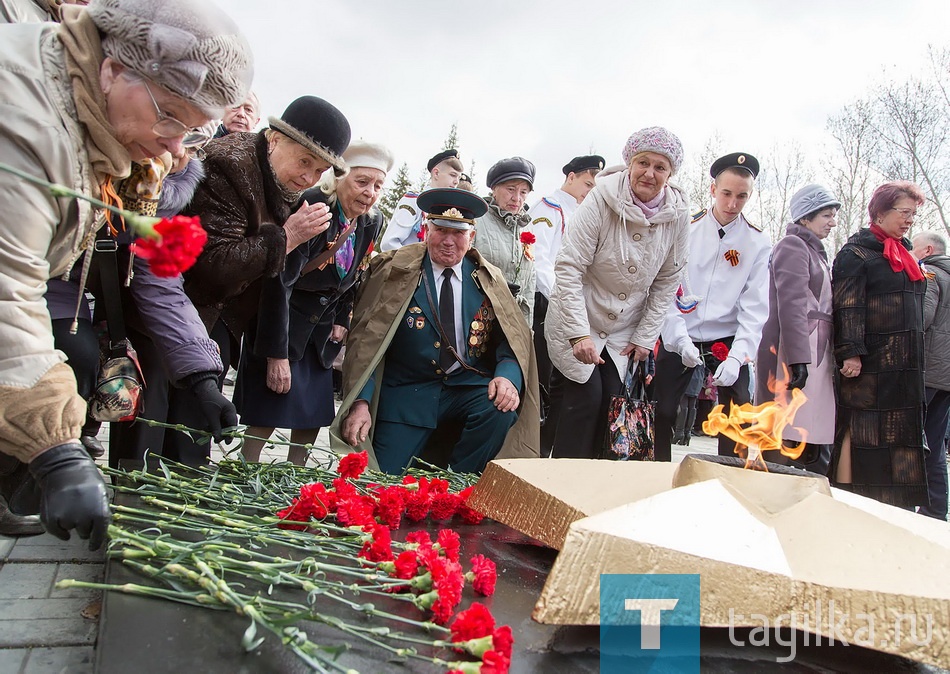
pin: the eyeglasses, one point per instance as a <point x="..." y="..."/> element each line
<point x="906" y="213"/>
<point x="165" y="126"/>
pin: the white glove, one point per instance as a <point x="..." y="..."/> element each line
<point x="689" y="353"/>
<point x="727" y="373"/>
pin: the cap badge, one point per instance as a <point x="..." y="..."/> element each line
<point x="741" y="159"/>
<point x="453" y="213"/>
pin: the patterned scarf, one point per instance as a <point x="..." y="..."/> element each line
<point x="512" y="220"/>
<point x="345" y="254"/>
<point x="82" y="50"/>
<point x="900" y="258"/>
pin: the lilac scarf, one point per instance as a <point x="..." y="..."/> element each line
<point x="651" y="207"/>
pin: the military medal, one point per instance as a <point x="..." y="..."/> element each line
<point x="479" y="330"/>
<point x="420" y="322"/>
<point x="732" y="257"/>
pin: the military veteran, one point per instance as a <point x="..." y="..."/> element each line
<point x="437" y="339"/>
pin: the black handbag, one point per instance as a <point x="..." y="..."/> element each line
<point x="630" y="419"/>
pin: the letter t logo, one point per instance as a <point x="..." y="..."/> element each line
<point x="650" y="610"/>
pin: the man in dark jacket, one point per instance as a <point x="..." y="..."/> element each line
<point x="931" y="249"/>
<point x="453" y="347"/>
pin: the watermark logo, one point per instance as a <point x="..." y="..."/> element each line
<point x="890" y="630"/>
<point x="649" y="622"/>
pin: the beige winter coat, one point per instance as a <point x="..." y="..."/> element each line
<point x="616" y="274"/>
<point x="40" y="236"/>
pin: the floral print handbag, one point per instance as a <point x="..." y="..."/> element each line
<point x="630" y="420"/>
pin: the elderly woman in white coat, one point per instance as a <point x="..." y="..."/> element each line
<point x="616" y="276"/>
<point x="795" y="351"/>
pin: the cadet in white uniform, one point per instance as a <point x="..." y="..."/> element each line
<point x="405" y="226"/>
<point x="549" y="218"/>
<point x="723" y="298"/>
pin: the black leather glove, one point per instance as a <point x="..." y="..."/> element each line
<point x="799" y="373"/>
<point x="73" y="493"/>
<point x="218" y="411"/>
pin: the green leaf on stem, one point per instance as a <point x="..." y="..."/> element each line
<point x="248" y="642"/>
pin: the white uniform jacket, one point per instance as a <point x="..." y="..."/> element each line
<point x="730" y="275"/>
<point x="404" y="226"/>
<point x="549" y="221"/>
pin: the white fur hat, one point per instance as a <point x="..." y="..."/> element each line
<point x="369" y="155"/>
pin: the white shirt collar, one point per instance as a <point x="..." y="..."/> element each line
<point x="437" y="269"/>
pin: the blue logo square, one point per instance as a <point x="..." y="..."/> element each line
<point x="649" y="623"/>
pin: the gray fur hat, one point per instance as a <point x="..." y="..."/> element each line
<point x="810" y="199"/>
<point x="193" y="49"/>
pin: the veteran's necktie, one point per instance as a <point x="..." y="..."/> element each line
<point x="447" y="318"/>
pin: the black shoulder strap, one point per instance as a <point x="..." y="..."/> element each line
<point x="106" y="255"/>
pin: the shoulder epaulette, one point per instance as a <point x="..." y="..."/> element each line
<point x="755" y="227"/>
<point x="557" y="207"/>
<point x="698" y="216"/>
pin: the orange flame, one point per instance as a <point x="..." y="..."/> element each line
<point x="758" y="428"/>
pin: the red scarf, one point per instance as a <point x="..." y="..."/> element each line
<point x="899" y="257"/>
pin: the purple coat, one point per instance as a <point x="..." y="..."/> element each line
<point x="799" y="330"/>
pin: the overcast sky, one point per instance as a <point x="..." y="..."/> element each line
<point x="551" y="80"/>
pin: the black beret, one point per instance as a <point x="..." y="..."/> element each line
<point x="441" y="157"/>
<point x="579" y="164"/>
<point x="452" y="207"/>
<point x="739" y="160"/>
<point x="513" y="168"/>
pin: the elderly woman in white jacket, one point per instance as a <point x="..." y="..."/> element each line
<point x="616" y="276"/>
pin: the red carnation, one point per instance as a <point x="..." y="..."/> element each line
<point x="178" y="245"/>
<point x="314" y="500"/>
<point x="502" y="641"/>
<point x="468" y="515"/>
<point x="379" y="547"/>
<point x="444" y="506"/>
<point x="420" y="538"/>
<point x="719" y="351"/>
<point x="528" y="238"/>
<point x="473" y="623"/>
<point x="407" y="563"/>
<point x="483" y="575"/>
<point x="436" y="485"/>
<point x="293" y="514"/>
<point x="417" y="506"/>
<point x="390" y="506"/>
<point x="449" y="542"/>
<point x="448" y="582"/>
<point x="352" y="465"/>
<point x="494" y="662"/>
<point x="356" y="511"/>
